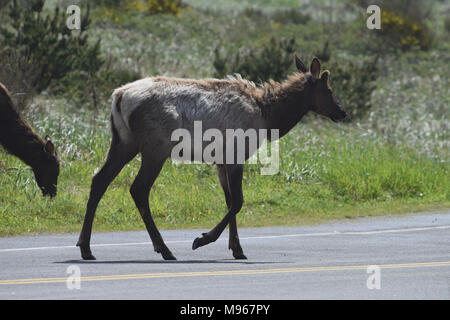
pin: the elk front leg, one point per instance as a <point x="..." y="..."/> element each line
<point x="233" y="242"/>
<point x="140" y="190"/>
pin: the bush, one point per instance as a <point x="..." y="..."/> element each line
<point x="282" y="16"/>
<point x="16" y="78"/>
<point x="353" y="83"/>
<point x="97" y="91"/>
<point x="163" y="6"/>
<point x="120" y="11"/>
<point x="272" y="60"/>
<point x="150" y="6"/>
<point x="110" y="3"/>
<point x="418" y="10"/>
<point x="42" y="48"/>
<point x="404" y="32"/>
<point x="402" y="25"/>
<point x="290" y="16"/>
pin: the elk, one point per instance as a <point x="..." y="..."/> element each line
<point x="19" y="139"/>
<point x="146" y="112"/>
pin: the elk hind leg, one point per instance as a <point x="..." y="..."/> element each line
<point x="120" y="153"/>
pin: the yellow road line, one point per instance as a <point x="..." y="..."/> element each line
<point x="223" y="273"/>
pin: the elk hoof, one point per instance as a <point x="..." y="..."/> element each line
<point x="201" y="241"/>
<point x="88" y="257"/>
<point x="165" y="252"/>
<point x="239" y="256"/>
<point x="86" y="253"/>
<point x="169" y="256"/>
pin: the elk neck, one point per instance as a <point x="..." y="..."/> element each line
<point x="284" y="104"/>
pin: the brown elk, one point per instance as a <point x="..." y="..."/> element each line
<point x="19" y="139"/>
<point x="146" y="112"/>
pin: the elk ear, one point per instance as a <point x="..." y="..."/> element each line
<point x="325" y="75"/>
<point x="49" y="146"/>
<point x="300" y="65"/>
<point x="315" y="68"/>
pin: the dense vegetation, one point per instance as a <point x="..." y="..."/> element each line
<point x="391" y="156"/>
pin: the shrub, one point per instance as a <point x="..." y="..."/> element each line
<point x="290" y="16"/>
<point x="272" y="60"/>
<point x="253" y="14"/>
<point x="16" y="78"/>
<point x="114" y="10"/>
<point x="353" y="83"/>
<point x="404" y="32"/>
<point x="163" y="6"/>
<point x="41" y="46"/>
<point x="95" y="92"/>
<point x="418" y="10"/>
<point x="282" y="16"/>
<point x="402" y="25"/>
<point x="149" y="6"/>
<point x="111" y="3"/>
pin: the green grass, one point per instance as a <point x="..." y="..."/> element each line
<point x="327" y="172"/>
<point x="394" y="160"/>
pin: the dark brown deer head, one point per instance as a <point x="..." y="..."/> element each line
<point x="322" y="99"/>
<point x="47" y="170"/>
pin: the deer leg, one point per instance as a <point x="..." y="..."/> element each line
<point x="223" y="179"/>
<point x="118" y="156"/>
<point x="233" y="243"/>
<point x="140" y="191"/>
<point x="234" y="174"/>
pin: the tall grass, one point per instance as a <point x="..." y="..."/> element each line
<point x="327" y="171"/>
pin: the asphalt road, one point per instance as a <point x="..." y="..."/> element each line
<point x="410" y="256"/>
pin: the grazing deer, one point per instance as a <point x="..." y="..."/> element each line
<point x="146" y="112"/>
<point x="19" y="139"/>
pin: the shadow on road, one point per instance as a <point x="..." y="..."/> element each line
<point x="224" y="261"/>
